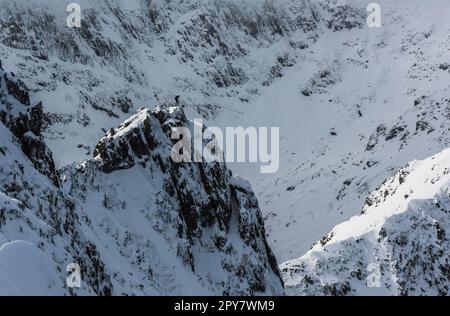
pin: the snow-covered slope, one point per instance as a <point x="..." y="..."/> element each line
<point x="404" y="230"/>
<point x="353" y="103"/>
<point x="25" y="270"/>
<point x="135" y="221"/>
<point x="383" y="101"/>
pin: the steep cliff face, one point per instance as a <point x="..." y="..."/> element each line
<point x="135" y="221"/>
<point x="209" y="220"/>
<point x="25" y="122"/>
<point x="399" y="245"/>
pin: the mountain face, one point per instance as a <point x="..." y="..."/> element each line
<point x="127" y="54"/>
<point x="378" y="99"/>
<point x="86" y="174"/>
<point x="401" y="239"/>
<point x="135" y="221"/>
<point x="220" y="57"/>
<point x="398" y="105"/>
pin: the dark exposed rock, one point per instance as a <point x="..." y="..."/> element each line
<point x="422" y="125"/>
<point x="343" y="16"/>
<point x="17" y="89"/>
<point x="444" y="66"/>
<point x="374" y="138"/>
<point x="337" y="289"/>
<point x="290" y="188"/>
<point x="27" y="126"/>
<point x="123" y="103"/>
<point x="320" y="81"/>
<point x="395" y="131"/>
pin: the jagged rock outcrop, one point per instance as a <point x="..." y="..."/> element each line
<point x="25" y="122"/>
<point x="202" y="195"/>
<point x="136" y="222"/>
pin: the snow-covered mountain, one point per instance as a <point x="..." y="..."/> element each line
<point x="383" y="101"/>
<point x="403" y="232"/>
<point x="217" y="55"/>
<point x="354" y="104"/>
<point x="135" y="221"/>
